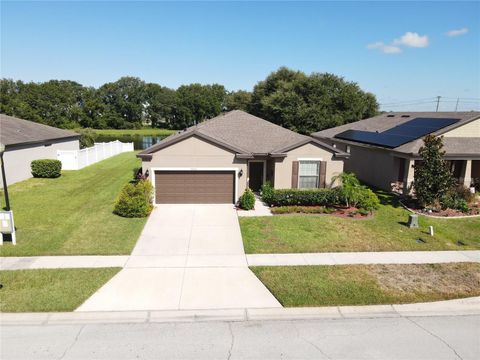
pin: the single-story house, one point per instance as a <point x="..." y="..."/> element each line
<point x="26" y="141"/>
<point x="216" y="160"/>
<point x="384" y="148"/>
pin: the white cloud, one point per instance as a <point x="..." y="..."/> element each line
<point x="387" y="49"/>
<point x="391" y="49"/>
<point x="412" y="39"/>
<point x="457" y="32"/>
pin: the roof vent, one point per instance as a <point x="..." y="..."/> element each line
<point x="390" y="115"/>
<point x="405" y="116"/>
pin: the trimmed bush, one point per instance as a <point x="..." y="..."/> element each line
<point x="46" y="168"/>
<point x="313" y="197"/>
<point x="135" y="200"/>
<point x="266" y="192"/>
<point x="247" y="200"/>
<point x="366" y="199"/>
<point x="302" y="210"/>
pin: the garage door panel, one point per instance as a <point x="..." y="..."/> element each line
<point x="194" y="187"/>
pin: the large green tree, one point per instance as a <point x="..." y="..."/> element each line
<point x="308" y="103"/>
<point x="125" y="100"/>
<point x="238" y="100"/>
<point x="160" y="106"/>
<point x="196" y="103"/>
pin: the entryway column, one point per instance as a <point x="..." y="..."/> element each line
<point x="408" y="176"/>
<point x="466" y="174"/>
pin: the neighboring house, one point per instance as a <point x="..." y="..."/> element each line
<point x="26" y="141"/>
<point x="216" y="160"/>
<point x="384" y="148"/>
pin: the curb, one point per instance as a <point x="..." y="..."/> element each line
<point x="459" y="307"/>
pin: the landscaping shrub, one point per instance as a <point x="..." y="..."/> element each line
<point x="266" y="192"/>
<point x="355" y="194"/>
<point x="247" y="200"/>
<point x="464" y="193"/>
<point x="457" y="198"/>
<point x="366" y="199"/>
<point x="46" y="168"/>
<point x="313" y="197"/>
<point x="135" y="200"/>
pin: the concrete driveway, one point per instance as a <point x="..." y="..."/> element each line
<point x="187" y="257"/>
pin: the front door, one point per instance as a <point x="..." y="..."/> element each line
<point x="255" y="175"/>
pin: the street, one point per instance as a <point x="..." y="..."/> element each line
<point x="436" y="338"/>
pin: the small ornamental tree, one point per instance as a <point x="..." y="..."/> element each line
<point x="433" y="178"/>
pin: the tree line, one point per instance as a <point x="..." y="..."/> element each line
<point x="295" y="100"/>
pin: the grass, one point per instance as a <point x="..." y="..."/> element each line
<point x="72" y="215"/>
<point x="369" y="284"/>
<point x="148" y="131"/>
<point x="50" y="289"/>
<point x="386" y="231"/>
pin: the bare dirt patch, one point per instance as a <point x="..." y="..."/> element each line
<point x="448" y="279"/>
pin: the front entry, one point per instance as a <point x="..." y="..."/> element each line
<point x="256" y="175"/>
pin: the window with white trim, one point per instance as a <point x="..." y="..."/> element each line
<point x="308" y="174"/>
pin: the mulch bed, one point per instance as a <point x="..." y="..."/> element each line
<point x="474" y="209"/>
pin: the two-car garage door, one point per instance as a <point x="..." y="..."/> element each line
<point x="194" y="187"/>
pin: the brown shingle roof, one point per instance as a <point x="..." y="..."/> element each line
<point x="242" y="133"/>
<point x="386" y="121"/>
<point x="14" y="131"/>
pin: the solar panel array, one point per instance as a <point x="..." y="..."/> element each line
<point x="400" y="134"/>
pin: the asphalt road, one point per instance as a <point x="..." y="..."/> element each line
<point x="436" y="338"/>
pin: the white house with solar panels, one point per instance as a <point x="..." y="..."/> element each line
<point x="384" y="148"/>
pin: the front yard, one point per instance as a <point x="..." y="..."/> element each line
<point x="386" y="231"/>
<point x="50" y="289"/>
<point x="369" y="284"/>
<point x="72" y="215"/>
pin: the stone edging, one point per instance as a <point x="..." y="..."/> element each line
<point x="438" y="217"/>
<point x="458" y="307"/>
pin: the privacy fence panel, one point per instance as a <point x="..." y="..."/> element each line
<point x="78" y="159"/>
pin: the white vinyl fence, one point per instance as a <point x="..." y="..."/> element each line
<point x="78" y="159"/>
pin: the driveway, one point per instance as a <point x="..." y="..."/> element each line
<point x="187" y="257"/>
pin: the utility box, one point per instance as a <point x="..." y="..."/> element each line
<point x="7" y="226"/>
<point x="413" y="221"/>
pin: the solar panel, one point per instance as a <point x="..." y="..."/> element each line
<point x="398" y="135"/>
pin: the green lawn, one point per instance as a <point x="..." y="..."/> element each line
<point x="386" y="231"/>
<point x="72" y="215"/>
<point x="369" y="284"/>
<point x="50" y="289"/>
<point x="121" y="132"/>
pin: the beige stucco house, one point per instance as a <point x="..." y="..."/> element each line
<point x="26" y="141"/>
<point x="384" y="148"/>
<point x="216" y="160"/>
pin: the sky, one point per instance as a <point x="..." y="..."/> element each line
<point x="406" y="53"/>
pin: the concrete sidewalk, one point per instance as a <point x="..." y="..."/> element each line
<point x="238" y="260"/>
<point x="345" y="258"/>
<point x="457" y="307"/>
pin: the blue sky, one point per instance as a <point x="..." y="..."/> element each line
<point x="400" y="51"/>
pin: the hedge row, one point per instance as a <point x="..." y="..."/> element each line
<point x="314" y="197"/>
<point x="364" y="198"/>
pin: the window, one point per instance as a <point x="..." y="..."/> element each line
<point x="308" y="174"/>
